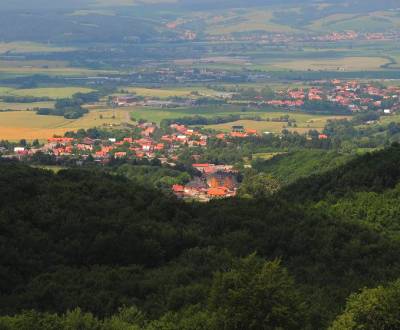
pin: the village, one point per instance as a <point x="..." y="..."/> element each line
<point x="149" y="141"/>
<point x="278" y="38"/>
<point x="353" y="96"/>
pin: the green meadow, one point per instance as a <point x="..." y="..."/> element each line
<point x="50" y="92"/>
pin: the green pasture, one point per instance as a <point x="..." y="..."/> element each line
<point x="50" y="92"/>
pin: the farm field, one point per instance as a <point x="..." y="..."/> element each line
<point x="51" y="71"/>
<point x="53" y="92"/>
<point x="53" y="168"/>
<point x="252" y="20"/>
<point x="158" y="114"/>
<point x="170" y="92"/>
<point x="304" y="123"/>
<point x="371" y="22"/>
<point x="28" y="125"/>
<point x="25" y="106"/>
<point x="42" y="64"/>
<point x="326" y="22"/>
<point x="30" y="47"/>
<point x="61" y="68"/>
<point x="356" y="63"/>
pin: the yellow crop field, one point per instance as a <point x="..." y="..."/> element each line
<point x="28" y="125"/>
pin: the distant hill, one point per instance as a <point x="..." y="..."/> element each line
<point x="90" y="21"/>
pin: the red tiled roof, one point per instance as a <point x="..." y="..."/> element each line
<point x="217" y="192"/>
<point x="178" y="188"/>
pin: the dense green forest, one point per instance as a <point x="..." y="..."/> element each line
<point x="289" y="167"/>
<point x="83" y="249"/>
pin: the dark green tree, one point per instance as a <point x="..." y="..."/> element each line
<point x="371" y="309"/>
<point x="256" y="295"/>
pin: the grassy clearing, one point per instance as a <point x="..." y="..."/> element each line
<point x="390" y="119"/>
<point x="267" y="155"/>
<point x="28" y="125"/>
<point x="52" y="168"/>
<point x="52" y="92"/>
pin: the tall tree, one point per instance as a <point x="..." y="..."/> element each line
<point x="372" y="309"/>
<point x="256" y="295"/>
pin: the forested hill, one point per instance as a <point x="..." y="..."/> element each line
<point x="376" y="172"/>
<point x="98" y="242"/>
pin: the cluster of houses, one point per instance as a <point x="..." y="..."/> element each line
<point x="146" y="146"/>
<point x="215" y="181"/>
<point x="290" y="38"/>
<point x="352" y="94"/>
<point x="150" y="142"/>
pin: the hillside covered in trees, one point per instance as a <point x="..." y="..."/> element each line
<point x="83" y="249"/>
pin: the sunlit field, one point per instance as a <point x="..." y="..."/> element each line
<point x="28" y="125"/>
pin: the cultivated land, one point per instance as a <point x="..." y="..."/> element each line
<point x="356" y="63"/>
<point x="164" y="93"/>
<point x="25" y="106"/>
<point x="28" y="125"/>
<point x="55" y="71"/>
<point x="254" y="20"/>
<point x="53" y="92"/>
<point x="304" y="123"/>
<point x="45" y="67"/>
<point x="30" y="47"/>
<point x="157" y="114"/>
